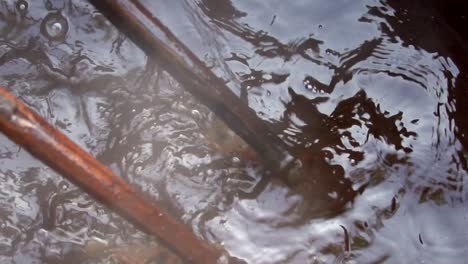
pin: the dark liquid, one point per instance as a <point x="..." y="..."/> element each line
<point x="371" y="95"/>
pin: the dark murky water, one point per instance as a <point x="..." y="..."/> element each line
<point x="372" y="93"/>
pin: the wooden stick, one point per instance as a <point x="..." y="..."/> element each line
<point x="29" y="130"/>
<point x="131" y="17"/>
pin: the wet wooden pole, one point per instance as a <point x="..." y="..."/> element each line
<point x="29" y="130"/>
<point x="158" y="42"/>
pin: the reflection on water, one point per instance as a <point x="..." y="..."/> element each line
<point x="369" y="94"/>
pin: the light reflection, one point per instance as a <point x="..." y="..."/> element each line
<point x="373" y="106"/>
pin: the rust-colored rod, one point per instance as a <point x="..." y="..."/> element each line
<point x="29" y="130"/>
<point x="153" y="37"/>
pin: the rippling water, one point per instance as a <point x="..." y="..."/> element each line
<point x="372" y="95"/>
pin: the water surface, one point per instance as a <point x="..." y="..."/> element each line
<point x="370" y="93"/>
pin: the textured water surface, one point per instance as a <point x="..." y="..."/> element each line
<point x="370" y="93"/>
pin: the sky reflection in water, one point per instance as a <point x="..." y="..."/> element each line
<point x="364" y="91"/>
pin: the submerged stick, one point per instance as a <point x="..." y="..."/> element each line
<point x="29" y="130"/>
<point x="153" y="37"/>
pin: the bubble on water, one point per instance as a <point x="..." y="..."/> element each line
<point x="320" y="26"/>
<point x="235" y="160"/>
<point x="333" y="195"/>
<point x="22" y="7"/>
<point x="197" y="114"/>
<point x="209" y="172"/>
<point x="133" y="110"/>
<point x="268" y="93"/>
<point x="54" y="26"/>
<point x="309" y="86"/>
<point x="2" y="225"/>
<point x="63" y="185"/>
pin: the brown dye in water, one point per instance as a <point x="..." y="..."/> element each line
<point x="371" y="94"/>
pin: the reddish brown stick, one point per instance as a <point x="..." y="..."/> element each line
<point x="29" y="130"/>
<point x="158" y="42"/>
